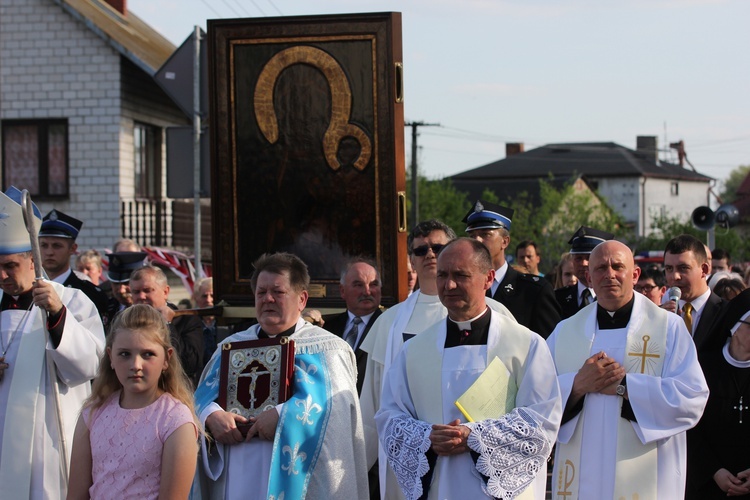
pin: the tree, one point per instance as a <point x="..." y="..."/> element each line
<point x="733" y="182"/>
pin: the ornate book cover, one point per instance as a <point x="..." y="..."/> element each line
<point x="256" y="375"/>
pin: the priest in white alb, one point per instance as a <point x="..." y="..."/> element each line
<point x="498" y="445"/>
<point x="51" y="338"/>
<point x="631" y="386"/>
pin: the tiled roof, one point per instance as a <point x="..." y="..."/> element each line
<point x="127" y="34"/>
<point x="597" y="159"/>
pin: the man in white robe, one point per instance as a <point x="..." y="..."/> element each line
<point x="43" y="325"/>
<point x="396" y="325"/>
<point x="429" y="444"/>
<point x="265" y="464"/>
<point x="631" y="386"/>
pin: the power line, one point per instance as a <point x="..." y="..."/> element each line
<point x="274" y="6"/>
<point x="231" y="8"/>
<point x="258" y="7"/>
<point x="211" y="7"/>
<point x="243" y="8"/>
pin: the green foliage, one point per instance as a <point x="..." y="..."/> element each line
<point x="549" y="222"/>
<point x="439" y="199"/>
<point x="667" y="227"/>
<point x="733" y="182"/>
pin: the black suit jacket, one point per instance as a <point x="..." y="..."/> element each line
<point x="336" y="324"/>
<point x="704" y="337"/>
<point x="93" y="292"/>
<point x="186" y="333"/>
<point x="531" y="299"/>
<point x="567" y="298"/>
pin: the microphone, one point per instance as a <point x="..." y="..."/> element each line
<point x="674" y="294"/>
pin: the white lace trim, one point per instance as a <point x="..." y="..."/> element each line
<point x="406" y="441"/>
<point x="512" y="450"/>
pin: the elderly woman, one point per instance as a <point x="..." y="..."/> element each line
<point x="718" y="457"/>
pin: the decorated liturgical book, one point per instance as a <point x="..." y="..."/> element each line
<point x="256" y="375"/>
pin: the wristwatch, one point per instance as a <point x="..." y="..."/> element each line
<point x="622" y="388"/>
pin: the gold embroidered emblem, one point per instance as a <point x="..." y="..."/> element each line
<point x="647" y="355"/>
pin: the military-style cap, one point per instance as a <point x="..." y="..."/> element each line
<point x="60" y="225"/>
<point x="486" y="215"/>
<point x="14" y="238"/>
<point x="122" y="264"/>
<point x="586" y="238"/>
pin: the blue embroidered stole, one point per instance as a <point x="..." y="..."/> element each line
<point x="301" y="428"/>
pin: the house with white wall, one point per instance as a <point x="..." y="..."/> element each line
<point x="83" y="120"/>
<point x="634" y="183"/>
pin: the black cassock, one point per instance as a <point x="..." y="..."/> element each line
<point x="721" y="440"/>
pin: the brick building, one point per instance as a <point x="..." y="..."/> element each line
<point x="83" y="120"/>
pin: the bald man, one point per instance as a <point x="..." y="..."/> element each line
<point x="631" y="386"/>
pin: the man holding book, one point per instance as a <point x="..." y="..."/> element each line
<point x="499" y="372"/>
<point x="312" y="445"/>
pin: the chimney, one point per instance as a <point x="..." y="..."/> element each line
<point x="680" y="147"/>
<point x="513" y="148"/>
<point x="647" y="146"/>
<point x="120" y="6"/>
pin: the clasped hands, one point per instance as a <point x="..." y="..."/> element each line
<point x="733" y="485"/>
<point x="223" y="426"/>
<point x="450" y="439"/>
<point x="599" y="373"/>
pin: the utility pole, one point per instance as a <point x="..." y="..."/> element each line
<point x="414" y="170"/>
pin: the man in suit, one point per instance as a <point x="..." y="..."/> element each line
<point x="360" y="288"/>
<point x="686" y="267"/>
<point x="530" y="298"/>
<point x="573" y="298"/>
<point x="57" y="242"/>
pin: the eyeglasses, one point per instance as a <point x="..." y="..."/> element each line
<point x="644" y="288"/>
<point x="422" y="251"/>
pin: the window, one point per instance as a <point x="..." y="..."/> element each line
<point x="675" y="189"/>
<point x="35" y="156"/>
<point x="147" y="161"/>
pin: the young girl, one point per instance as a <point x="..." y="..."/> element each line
<point x="137" y="433"/>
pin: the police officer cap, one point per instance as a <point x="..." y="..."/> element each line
<point x="60" y="225"/>
<point x="486" y="215"/>
<point x="122" y="264"/>
<point x="586" y="238"/>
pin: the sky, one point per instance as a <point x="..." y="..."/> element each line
<point x="546" y="71"/>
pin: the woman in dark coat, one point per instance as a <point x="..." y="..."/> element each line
<point x="719" y="446"/>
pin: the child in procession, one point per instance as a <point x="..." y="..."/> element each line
<point x="137" y="433"/>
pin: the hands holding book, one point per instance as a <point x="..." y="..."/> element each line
<point x="230" y="428"/>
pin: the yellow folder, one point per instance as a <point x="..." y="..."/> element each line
<point x="492" y="395"/>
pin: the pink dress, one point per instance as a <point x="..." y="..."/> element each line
<point x="126" y="445"/>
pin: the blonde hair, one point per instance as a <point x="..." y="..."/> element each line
<point x="149" y="321"/>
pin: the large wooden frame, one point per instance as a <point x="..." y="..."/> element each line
<point x="307" y="149"/>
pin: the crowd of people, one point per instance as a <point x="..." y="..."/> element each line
<point x="629" y="380"/>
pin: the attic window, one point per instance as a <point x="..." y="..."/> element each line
<point x="674" y="189"/>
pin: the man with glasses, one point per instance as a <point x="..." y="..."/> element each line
<point x="400" y="323"/>
<point x="652" y="284"/>
<point x="530" y="298"/>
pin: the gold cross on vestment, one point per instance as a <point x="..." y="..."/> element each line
<point x="643" y="355"/>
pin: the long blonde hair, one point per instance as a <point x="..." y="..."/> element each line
<point x="149" y="321"/>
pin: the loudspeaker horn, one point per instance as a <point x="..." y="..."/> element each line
<point x="727" y="216"/>
<point x="703" y="218"/>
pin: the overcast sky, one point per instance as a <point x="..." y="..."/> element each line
<point x="547" y="71"/>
